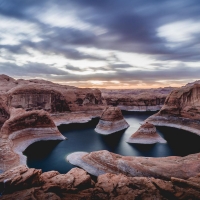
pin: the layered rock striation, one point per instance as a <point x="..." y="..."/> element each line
<point x="111" y="121"/>
<point x="181" y="109"/>
<point x="146" y="134"/>
<point x="100" y="162"/>
<point x="22" y="129"/>
<point x="137" y="99"/>
<point x="23" y="184"/>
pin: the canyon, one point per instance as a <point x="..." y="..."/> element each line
<point x="31" y="110"/>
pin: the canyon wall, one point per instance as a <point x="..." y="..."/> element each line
<point x="181" y="109"/>
<point x="137" y="99"/>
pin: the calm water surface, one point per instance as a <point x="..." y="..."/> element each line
<point x="51" y="155"/>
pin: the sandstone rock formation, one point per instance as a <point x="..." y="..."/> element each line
<point x="100" y="162"/>
<point x="111" y="121"/>
<point x="22" y="129"/>
<point x="146" y="134"/>
<point x="22" y="183"/>
<point x="31" y="109"/>
<point x="137" y="99"/>
<point x="181" y="109"/>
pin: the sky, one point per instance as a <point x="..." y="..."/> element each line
<point x="101" y="43"/>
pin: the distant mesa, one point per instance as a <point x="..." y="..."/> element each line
<point x="146" y="134"/>
<point x="111" y="121"/>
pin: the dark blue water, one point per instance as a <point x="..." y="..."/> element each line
<point x="51" y="155"/>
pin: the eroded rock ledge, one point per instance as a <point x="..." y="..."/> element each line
<point x="22" y="129"/>
<point x="181" y="109"/>
<point x="100" y="162"/>
<point x="111" y="121"/>
<point x="23" y="183"/>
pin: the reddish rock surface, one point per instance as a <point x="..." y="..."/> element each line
<point x="146" y="134"/>
<point x="100" y="162"/>
<point x="22" y="183"/>
<point x="137" y="99"/>
<point x="111" y="121"/>
<point x="31" y="109"/>
<point x="181" y="109"/>
<point x="22" y="129"/>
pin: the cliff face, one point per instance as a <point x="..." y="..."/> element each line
<point x="53" y="98"/>
<point x="4" y="112"/>
<point x="29" y="110"/>
<point x="137" y="99"/>
<point x="24" y="184"/>
<point x="181" y="109"/>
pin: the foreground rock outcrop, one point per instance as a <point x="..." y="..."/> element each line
<point x="100" y="162"/>
<point x="111" y="121"/>
<point x="24" y="184"/>
<point x="137" y="99"/>
<point x="181" y="109"/>
<point x="146" y="134"/>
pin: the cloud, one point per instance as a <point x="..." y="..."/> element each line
<point x="30" y="69"/>
<point x="164" y="31"/>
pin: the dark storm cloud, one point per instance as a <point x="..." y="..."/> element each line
<point x="130" y="26"/>
<point x="16" y="49"/>
<point x="175" y="73"/>
<point x="29" y="69"/>
<point x="134" y="24"/>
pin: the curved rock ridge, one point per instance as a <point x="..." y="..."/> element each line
<point x="181" y="109"/>
<point x="137" y="99"/>
<point x="22" y="183"/>
<point x="111" y="121"/>
<point x="100" y="162"/>
<point x="22" y="129"/>
<point x="146" y="134"/>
